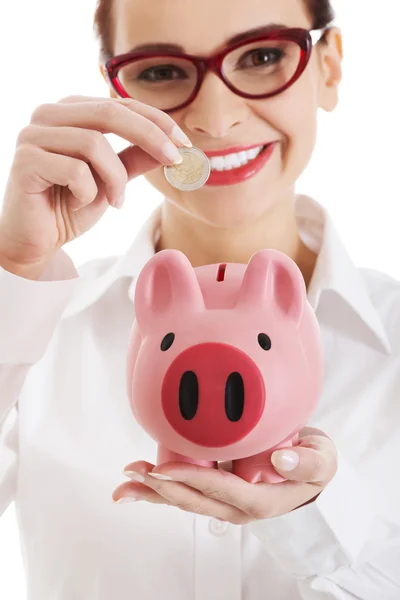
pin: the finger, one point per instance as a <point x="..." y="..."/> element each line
<point x="142" y="467"/>
<point x="107" y="116"/>
<point x="139" y="468"/>
<point x="137" y="162"/>
<point x="184" y="497"/>
<point x="159" y="117"/>
<point x="220" y="486"/>
<point x="135" y="492"/>
<point x="306" y="431"/>
<point x="314" y="460"/>
<point x="193" y="501"/>
<point x="57" y="169"/>
<point x="257" y="501"/>
<point x="88" y="145"/>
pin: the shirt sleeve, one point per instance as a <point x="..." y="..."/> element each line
<point x="29" y="313"/>
<point x="338" y="547"/>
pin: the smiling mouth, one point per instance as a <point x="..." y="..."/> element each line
<point x="229" y="162"/>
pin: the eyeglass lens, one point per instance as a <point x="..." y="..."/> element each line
<point x="256" y="68"/>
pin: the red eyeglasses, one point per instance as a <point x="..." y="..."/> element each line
<point x="257" y="68"/>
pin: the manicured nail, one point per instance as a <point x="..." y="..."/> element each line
<point x="125" y="499"/>
<point x="161" y="476"/>
<point x="285" y="460"/>
<point x="179" y="136"/>
<point x="135" y="476"/>
<point x="172" y="154"/>
<point x="119" y="203"/>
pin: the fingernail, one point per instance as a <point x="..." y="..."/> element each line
<point x="172" y="154"/>
<point x="285" y="460"/>
<point x="120" y="202"/>
<point x="135" y="476"/>
<point x="181" y="137"/>
<point x="161" y="476"/>
<point x="125" y="499"/>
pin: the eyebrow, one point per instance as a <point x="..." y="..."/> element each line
<point x="240" y="37"/>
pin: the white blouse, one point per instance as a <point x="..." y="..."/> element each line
<point x="67" y="432"/>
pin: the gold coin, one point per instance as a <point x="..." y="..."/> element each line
<point x="192" y="173"/>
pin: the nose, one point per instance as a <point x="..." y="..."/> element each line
<point x="213" y="394"/>
<point x="216" y="110"/>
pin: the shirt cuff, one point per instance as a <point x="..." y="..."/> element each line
<point x="328" y="533"/>
<point x="30" y="311"/>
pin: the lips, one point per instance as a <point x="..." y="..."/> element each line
<point x="243" y="173"/>
<point x="233" y="150"/>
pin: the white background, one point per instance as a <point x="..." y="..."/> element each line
<point x="354" y="172"/>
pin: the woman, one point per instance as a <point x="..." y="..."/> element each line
<point x="333" y="529"/>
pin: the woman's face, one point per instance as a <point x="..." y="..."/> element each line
<point x="218" y="119"/>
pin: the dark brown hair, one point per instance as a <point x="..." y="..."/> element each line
<point x="321" y="13"/>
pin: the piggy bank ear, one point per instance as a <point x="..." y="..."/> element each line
<point x="167" y="283"/>
<point x="272" y="278"/>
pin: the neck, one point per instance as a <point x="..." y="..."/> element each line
<point x="205" y="244"/>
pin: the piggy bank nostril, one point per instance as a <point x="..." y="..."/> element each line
<point x="234" y="397"/>
<point x="188" y="395"/>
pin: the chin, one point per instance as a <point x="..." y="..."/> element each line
<point x="235" y="206"/>
<point x="225" y="207"/>
<point x="228" y="210"/>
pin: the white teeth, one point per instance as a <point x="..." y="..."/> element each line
<point x="233" y="161"/>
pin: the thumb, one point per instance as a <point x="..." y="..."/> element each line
<point x="312" y="465"/>
<point x="136" y="161"/>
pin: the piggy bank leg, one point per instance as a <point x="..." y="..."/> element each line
<point x="164" y="455"/>
<point x="258" y="468"/>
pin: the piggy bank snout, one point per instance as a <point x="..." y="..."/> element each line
<point x="213" y="394"/>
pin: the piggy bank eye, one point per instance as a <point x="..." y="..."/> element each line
<point x="167" y="341"/>
<point x="264" y="341"/>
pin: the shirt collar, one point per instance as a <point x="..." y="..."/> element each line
<point x="334" y="270"/>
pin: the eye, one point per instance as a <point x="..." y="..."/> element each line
<point x="167" y="341"/>
<point x="261" y="57"/>
<point x="265" y="341"/>
<point x="162" y="73"/>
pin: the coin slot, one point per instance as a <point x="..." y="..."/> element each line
<point x="221" y="273"/>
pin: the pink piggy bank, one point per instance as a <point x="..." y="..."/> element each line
<point x="225" y="361"/>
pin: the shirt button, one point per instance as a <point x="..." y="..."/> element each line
<point x="218" y="527"/>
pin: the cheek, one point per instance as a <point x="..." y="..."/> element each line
<point x="301" y="120"/>
<point x="295" y="112"/>
<point x="293" y="115"/>
<point x="301" y="127"/>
